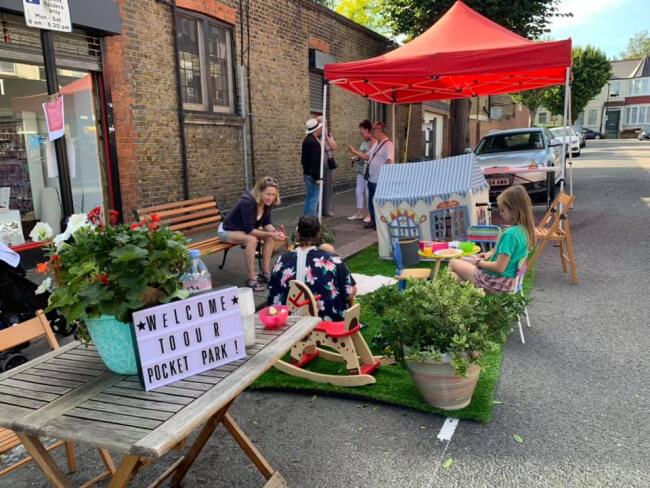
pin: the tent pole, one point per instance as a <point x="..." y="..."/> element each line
<point x="564" y="137"/>
<point x="322" y="151"/>
<point x="393" y="124"/>
<point x="570" y="123"/>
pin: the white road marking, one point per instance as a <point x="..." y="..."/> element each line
<point x="448" y="428"/>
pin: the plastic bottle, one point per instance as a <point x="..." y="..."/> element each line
<point x="197" y="278"/>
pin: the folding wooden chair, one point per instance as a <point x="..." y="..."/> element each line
<point x="554" y="227"/>
<point x="401" y="274"/>
<point x="10" y="338"/>
<point x="343" y="341"/>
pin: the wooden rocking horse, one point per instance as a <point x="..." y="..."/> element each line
<point x="343" y="339"/>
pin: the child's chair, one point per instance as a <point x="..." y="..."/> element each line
<point x="484" y="235"/>
<point x="519" y="288"/>
<point x="343" y="342"/>
<point x="401" y="274"/>
<point x="12" y="337"/>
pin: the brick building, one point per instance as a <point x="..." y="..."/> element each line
<point x="121" y="72"/>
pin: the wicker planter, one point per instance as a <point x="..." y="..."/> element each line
<point x="440" y="387"/>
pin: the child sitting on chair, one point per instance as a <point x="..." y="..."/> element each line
<point x="496" y="270"/>
<point x="319" y="268"/>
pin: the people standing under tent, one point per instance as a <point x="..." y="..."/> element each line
<point x="496" y="270"/>
<point x="381" y="153"/>
<point x="328" y="171"/>
<point x="250" y="221"/>
<point x="310" y="159"/>
<point x="365" y="129"/>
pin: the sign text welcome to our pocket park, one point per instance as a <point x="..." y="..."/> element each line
<point x="187" y="337"/>
<point x="48" y="14"/>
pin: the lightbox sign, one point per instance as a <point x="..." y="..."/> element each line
<point x="48" y="14"/>
<point x="187" y="337"/>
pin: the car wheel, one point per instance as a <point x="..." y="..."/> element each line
<point x="597" y="136"/>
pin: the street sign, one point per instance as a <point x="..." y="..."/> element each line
<point x="48" y="14"/>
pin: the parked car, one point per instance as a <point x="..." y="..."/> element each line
<point x="644" y="133"/>
<point x="592" y="134"/>
<point x="519" y="148"/>
<point x="558" y="133"/>
<point x="581" y="136"/>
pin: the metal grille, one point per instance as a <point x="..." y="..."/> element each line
<point x="76" y="43"/>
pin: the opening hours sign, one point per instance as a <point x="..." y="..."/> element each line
<point x="48" y="14"/>
<point x="187" y="337"/>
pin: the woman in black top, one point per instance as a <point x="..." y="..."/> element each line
<point x="248" y="222"/>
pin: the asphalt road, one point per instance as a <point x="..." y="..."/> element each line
<point x="576" y="392"/>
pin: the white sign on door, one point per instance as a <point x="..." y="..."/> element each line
<point x="48" y="14"/>
<point x="187" y="337"/>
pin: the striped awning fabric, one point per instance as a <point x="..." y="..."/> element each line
<point x="427" y="180"/>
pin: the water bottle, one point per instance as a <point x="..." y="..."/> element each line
<point x="197" y="278"/>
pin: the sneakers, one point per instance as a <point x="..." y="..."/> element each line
<point x="367" y="219"/>
<point x="355" y="217"/>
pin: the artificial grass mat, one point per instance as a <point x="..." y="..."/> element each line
<point x="394" y="384"/>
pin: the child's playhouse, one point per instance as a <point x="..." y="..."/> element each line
<point x="430" y="200"/>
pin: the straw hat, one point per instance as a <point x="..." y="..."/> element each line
<point x="312" y="125"/>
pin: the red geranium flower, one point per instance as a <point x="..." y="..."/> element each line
<point x="55" y="257"/>
<point x="134" y="225"/>
<point x="42" y="268"/>
<point x="104" y="279"/>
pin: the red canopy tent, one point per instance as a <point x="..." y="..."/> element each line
<point x="462" y="55"/>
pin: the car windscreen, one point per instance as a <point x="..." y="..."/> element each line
<point x="520" y="141"/>
<point x="559" y="132"/>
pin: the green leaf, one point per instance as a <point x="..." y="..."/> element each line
<point x="517" y="438"/>
<point x="129" y="253"/>
<point x="496" y="402"/>
<point x="447" y="463"/>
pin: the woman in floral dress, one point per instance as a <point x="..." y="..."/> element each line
<point x="323" y="272"/>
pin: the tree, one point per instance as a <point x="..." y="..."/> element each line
<point x="532" y="100"/>
<point x="369" y="13"/>
<point x="591" y="70"/>
<point x="529" y="18"/>
<point x="637" y="47"/>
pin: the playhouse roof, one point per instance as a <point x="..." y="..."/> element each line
<point x="427" y="180"/>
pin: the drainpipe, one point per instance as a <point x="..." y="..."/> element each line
<point x="179" y="94"/>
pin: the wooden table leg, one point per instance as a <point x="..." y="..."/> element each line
<point x="436" y="269"/>
<point x="209" y="427"/>
<point x="247" y="446"/>
<point x="128" y="467"/>
<point x="44" y="461"/>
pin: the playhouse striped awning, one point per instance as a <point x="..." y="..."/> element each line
<point x="427" y="180"/>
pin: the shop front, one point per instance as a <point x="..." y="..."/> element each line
<point x="32" y="183"/>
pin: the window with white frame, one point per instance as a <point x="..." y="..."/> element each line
<point x="592" y="116"/>
<point x="205" y="58"/>
<point x="637" y="115"/>
<point x="614" y="88"/>
<point x="639" y="86"/>
<point x="7" y="68"/>
<point x="542" y="118"/>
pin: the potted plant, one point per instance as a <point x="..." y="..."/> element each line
<point x="102" y="272"/>
<point x="441" y="330"/>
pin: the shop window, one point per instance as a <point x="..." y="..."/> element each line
<point x="205" y="58"/>
<point x="29" y="181"/>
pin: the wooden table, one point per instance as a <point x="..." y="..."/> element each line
<point x="69" y="395"/>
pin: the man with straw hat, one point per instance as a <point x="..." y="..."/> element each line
<point x="310" y="157"/>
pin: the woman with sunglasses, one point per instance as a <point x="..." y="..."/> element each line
<point x="248" y="222"/>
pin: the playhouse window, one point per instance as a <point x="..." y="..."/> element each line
<point x="449" y="224"/>
<point x="404" y="226"/>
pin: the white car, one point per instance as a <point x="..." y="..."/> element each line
<point x="558" y="133"/>
<point x="520" y="148"/>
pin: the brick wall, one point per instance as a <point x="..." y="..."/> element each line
<point x="143" y="86"/>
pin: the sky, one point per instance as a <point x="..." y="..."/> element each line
<point x="605" y="24"/>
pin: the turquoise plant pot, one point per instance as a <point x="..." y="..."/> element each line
<point x="114" y="343"/>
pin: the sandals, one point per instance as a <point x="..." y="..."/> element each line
<point x="254" y="284"/>
<point x="264" y="277"/>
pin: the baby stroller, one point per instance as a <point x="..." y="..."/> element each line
<point x="18" y="303"/>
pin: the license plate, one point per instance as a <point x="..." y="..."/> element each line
<point x="499" y="181"/>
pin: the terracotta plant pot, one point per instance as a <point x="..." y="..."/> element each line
<point x="440" y="387"/>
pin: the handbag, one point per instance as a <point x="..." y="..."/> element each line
<point x="332" y="163"/>
<point x="366" y="175"/>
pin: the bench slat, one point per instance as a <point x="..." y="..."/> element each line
<point x="186" y="210"/>
<point x="195" y="223"/>
<point x="166" y="206"/>
<point x="198" y="215"/>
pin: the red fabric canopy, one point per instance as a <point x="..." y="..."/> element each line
<point x="463" y="54"/>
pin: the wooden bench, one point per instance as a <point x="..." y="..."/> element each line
<point x="192" y="217"/>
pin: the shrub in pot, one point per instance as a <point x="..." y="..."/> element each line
<point x="441" y="330"/>
<point x="101" y="272"/>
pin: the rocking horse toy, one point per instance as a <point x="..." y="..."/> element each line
<point x="343" y="341"/>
